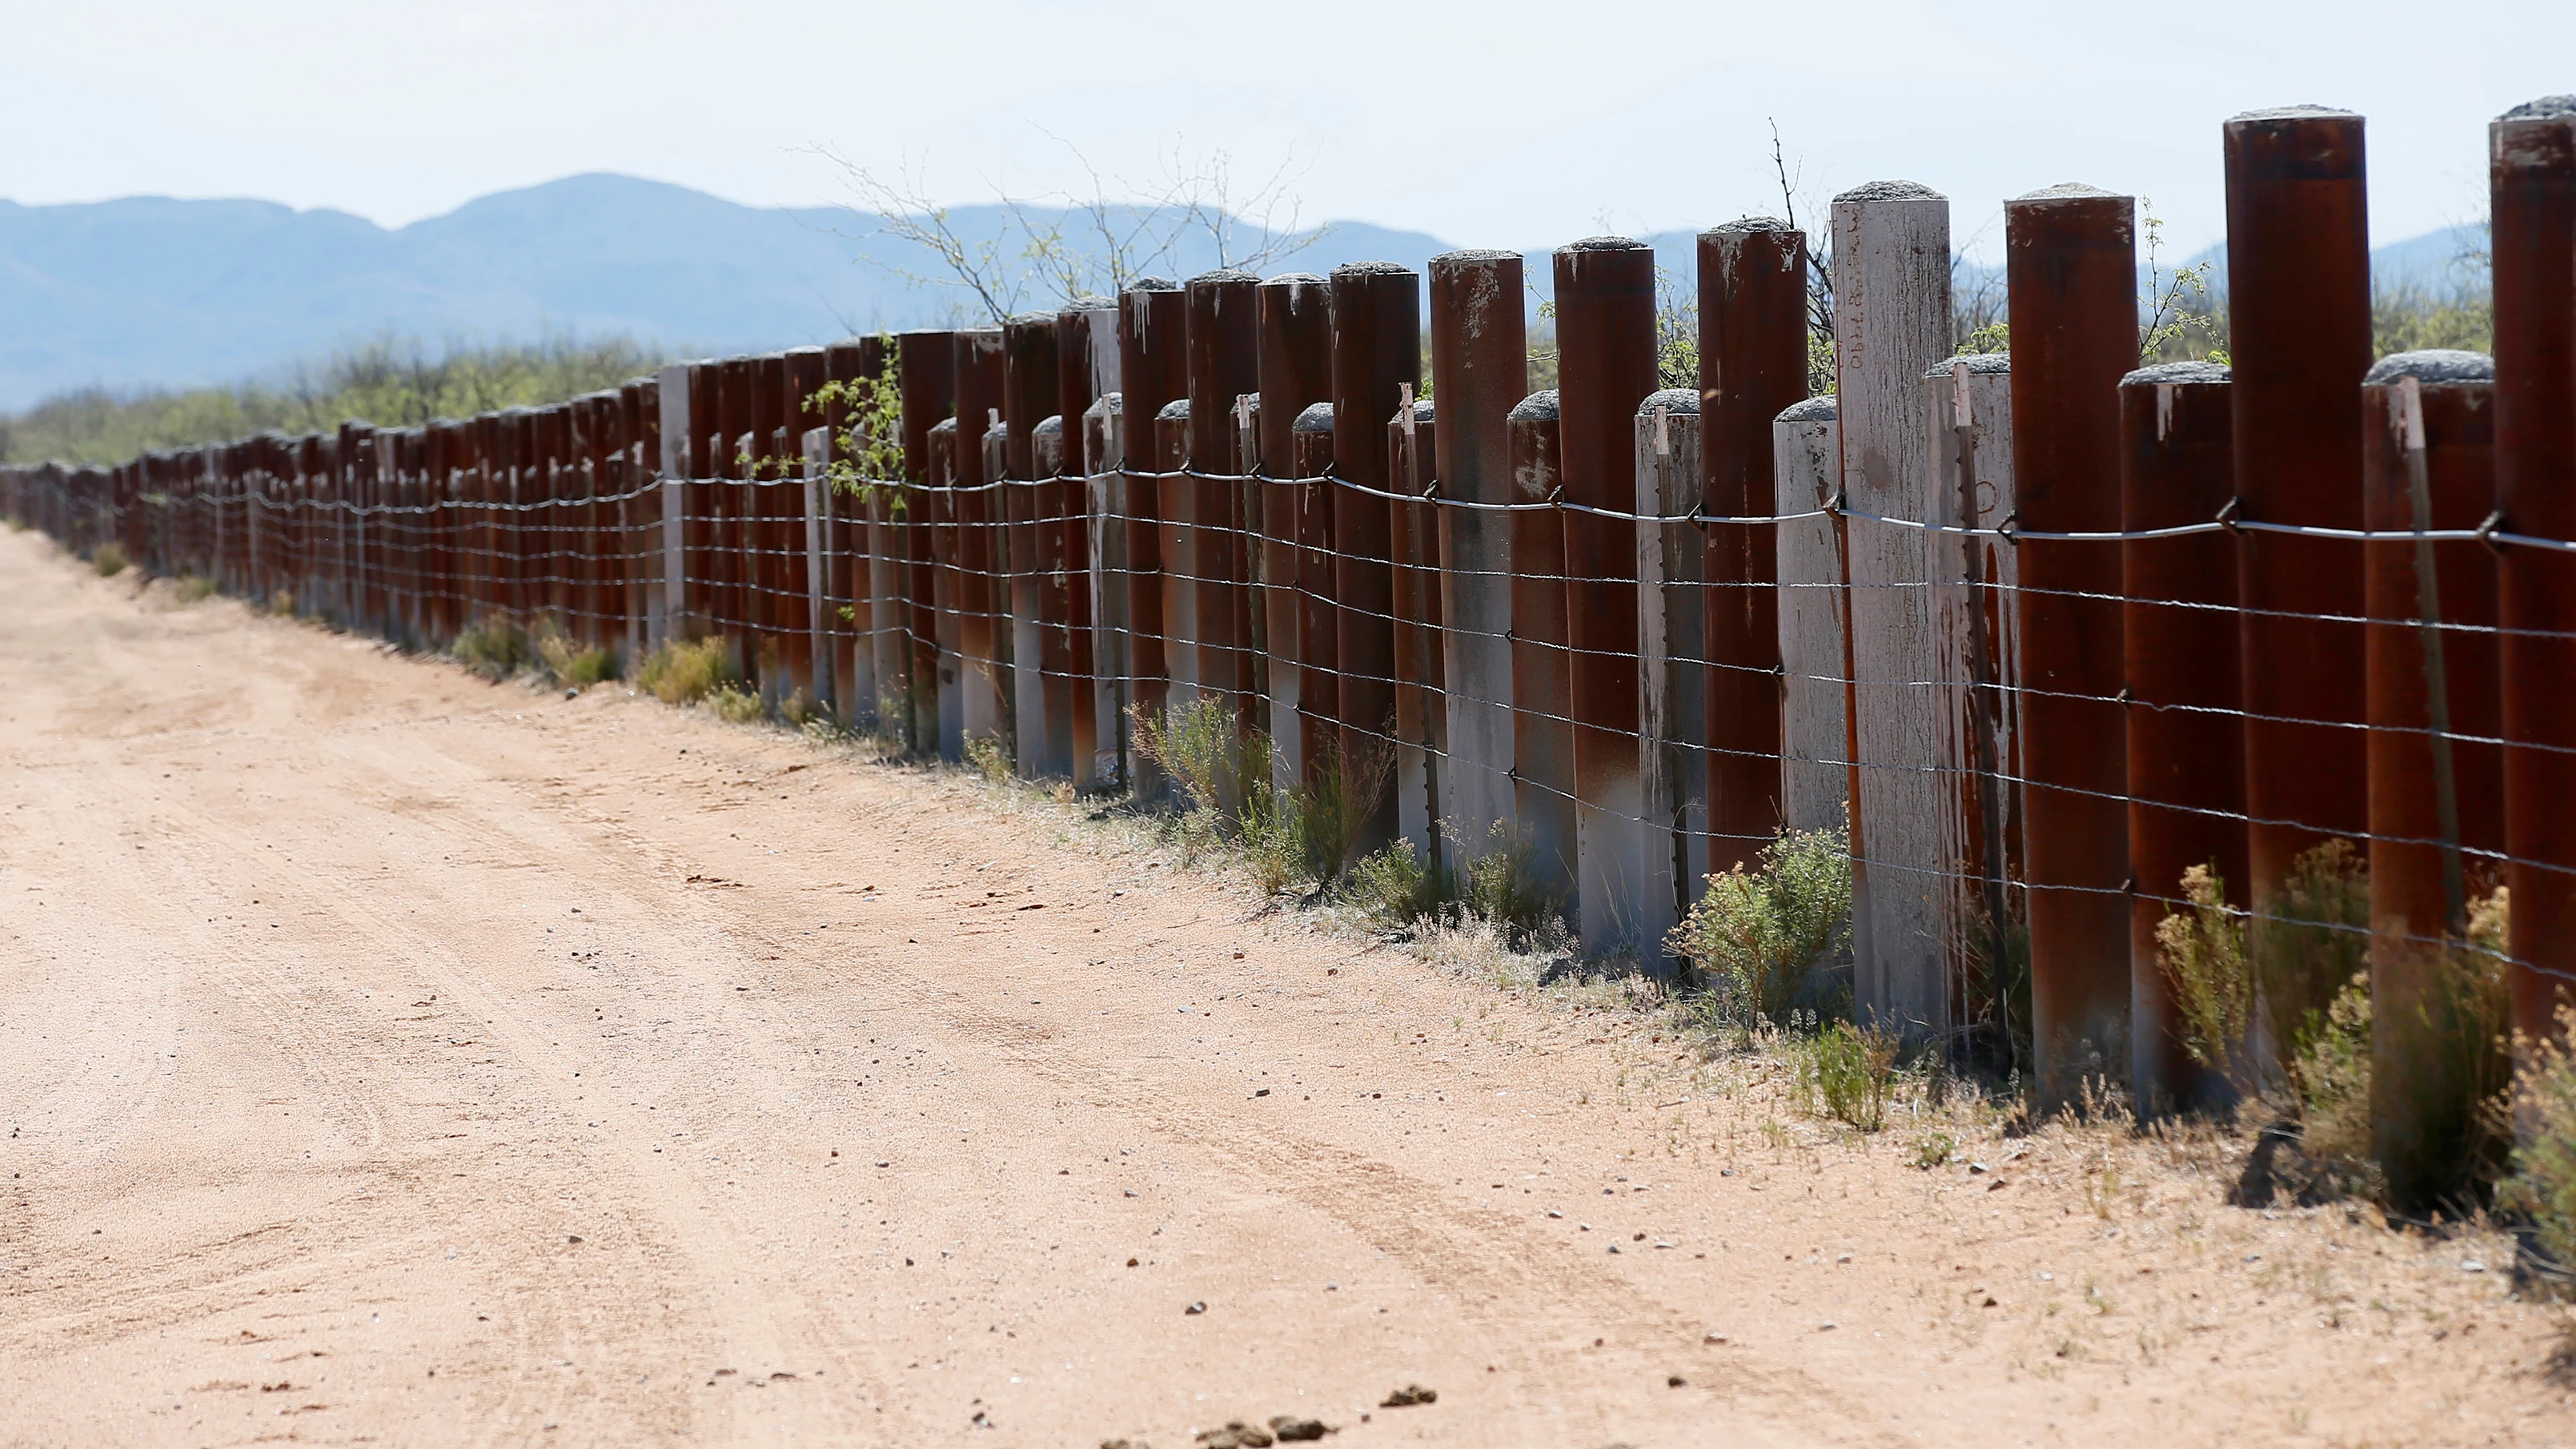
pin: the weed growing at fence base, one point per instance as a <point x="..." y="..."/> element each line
<point x="734" y="704"/>
<point x="684" y="671"/>
<point x="493" y="649"/>
<point x="565" y="661"/>
<point x="108" y="559"/>
<point x="1847" y="1072"/>
<point x="192" y="587"/>
<point x="1769" y="939"/>
<point x="2543" y="1186"/>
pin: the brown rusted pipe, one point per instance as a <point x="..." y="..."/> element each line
<point x="1224" y="341"/>
<point x="1543" y="801"/>
<point x="1153" y="369"/>
<point x="1296" y="373"/>
<point x="2436" y="784"/>
<point x="1377" y="353"/>
<point x="1029" y="396"/>
<point x="2532" y="176"/>
<point x="1752" y="366"/>
<point x="2071" y="273"/>
<point x="2186" y="756"/>
<point x="1605" y="329"/>
<point x="927" y="380"/>
<point x="1479" y="373"/>
<point x="2298" y="286"/>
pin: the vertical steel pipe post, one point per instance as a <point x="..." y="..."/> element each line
<point x="1377" y="355"/>
<point x="2072" y="276"/>
<point x="1672" y="673"/>
<point x="2298" y="289"/>
<point x="2437" y="826"/>
<point x="1319" y="650"/>
<point x="1086" y="367"/>
<point x="927" y="379"/>
<point x="1153" y="369"/>
<point x="1479" y="373"/>
<point x="983" y="670"/>
<point x="1814" y="615"/>
<point x="804" y="529"/>
<point x="1296" y="373"/>
<point x="1542" y="684"/>
<point x="2186" y="757"/>
<point x="1605" y="329"/>
<point x="1224" y="342"/>
<point x="1752" y="366"/>
<point x="2531" y="153"/>
<point x="1030" y="385"/>
<point x="1891" y="326"/>
<point x="1413" y="551"/>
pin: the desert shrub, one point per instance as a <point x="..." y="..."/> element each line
<point x="108" y="559"/>
<point x="1341" y="792"/>
<point x="734" y="705"/>
<point x="1848" y="1073"/>
<point x="192" y="587"/>
<point x="2329" y="1078"/>
<point x="2310" y="942"/>
<point x="2542" y="1189"/>
<point x="1763" y="938"/>
<point x="1393" y="886"/>
<point x="987" y="756"/>
<point x="684" y="671"/>
<point x="2442" y="1036"/>
<point x="494" y="649"/>
<point x="1503" y="887"/>
<point x="565" y="661"/>
<point x="2203" y="950"/>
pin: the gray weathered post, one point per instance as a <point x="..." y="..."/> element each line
<point x="1672" y="698"/>
<point x="1891" y="324"/>
<point x="1421" y="724"/>
<point x="1104" y="462"/>
<point x="1030" y="395"/>
<point x="1815" y="619"/>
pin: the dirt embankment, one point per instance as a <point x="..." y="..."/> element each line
<point x="385" y="1055"/>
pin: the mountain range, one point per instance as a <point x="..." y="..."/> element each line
<point x="154" y="292"/>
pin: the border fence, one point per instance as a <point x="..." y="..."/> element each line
<point x="2043" y="630"/>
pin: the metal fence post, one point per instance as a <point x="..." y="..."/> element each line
<point x="1542" y="690"/>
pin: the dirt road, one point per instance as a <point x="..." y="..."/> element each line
<point x="387" y="1055"/>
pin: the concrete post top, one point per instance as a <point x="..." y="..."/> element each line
<point x="2431" y="367"/>
<point x="1538" y="407"/>
<point x="2171" y="373"/>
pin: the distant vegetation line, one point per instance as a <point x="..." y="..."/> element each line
<point x="390" y="381"/>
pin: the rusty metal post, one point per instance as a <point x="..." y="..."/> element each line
<point x="1891" y="326"/>
<point x="772" y="573"/>
<point x="2298" y="289"/>
<point x="1542" y="689"/>
<point x="1672" y="673"/>
<point x="1029" y="388"/>
<point x="1479" y="373"/>
<point x="1377" y="355"/>
<point x="1224" y="342"/>
<point x="2437" y="828"/>
<point x="1086" y="369"/>
<point x="947" y="587"/>
<point x="927" y="379"/>
<point x="1319" y="654"/>
<point x="730" y="507"/>
<point x="1413" y="550"/>
<point x="1296" y="372"/>
<point x="2531" y="154"/>
<point x="982" y="644"/>
<point x="1153" y="370"/>
<point x="1814" y="615"/>
<point x="2072" y="276"/>
<point x="804" y="540"/>
<point x="2186" y="757"/>
<point x="1605" y="329"/>
<point x="1104" y="484"/>
<point x="1752" y="367"/>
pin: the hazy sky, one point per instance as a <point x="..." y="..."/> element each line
<point x="1494" y="124"/>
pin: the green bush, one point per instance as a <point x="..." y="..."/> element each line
<point x="1394" y="886"/>
<point x="684" y="671"/>
<point x="566" y="662"/>
<point x="734" y="704"/>
<point x="1764" y="938"/>
<point x="108" y="559"/>
<point x="2542" y="1189"/>
<point x="1847" y="1072"/>
<point x="494" y="649"/>
<point x="2203" y="950"/>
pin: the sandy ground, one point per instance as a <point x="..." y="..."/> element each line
<point x="390" y="1056"/>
